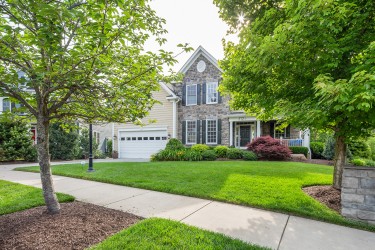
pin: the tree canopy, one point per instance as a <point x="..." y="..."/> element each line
<point x="310" y="63"/>
<point x="79" y="59"/>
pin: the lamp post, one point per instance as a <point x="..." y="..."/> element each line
<point x="91" y="169"/>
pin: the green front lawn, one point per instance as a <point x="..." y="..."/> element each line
<point x="166" y="234"/>
<point x="16" y="197"/>
<point x="269" y="185"/>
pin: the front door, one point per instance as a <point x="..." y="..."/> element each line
<point x="244" y="135"/>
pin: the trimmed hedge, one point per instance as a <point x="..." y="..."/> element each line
<point x="200" y="147"/>
<point x="235" y="153"/>
<point x="249" y="156"/>
<point x="209" y="155"/>
<point x="300" y="150"/>
<point x="221" y="151"/>
<point x="174" y="144"/>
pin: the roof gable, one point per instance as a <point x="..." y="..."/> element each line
<point x="199" y="51"/>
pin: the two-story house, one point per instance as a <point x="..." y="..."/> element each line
<point x="195" y="112"/>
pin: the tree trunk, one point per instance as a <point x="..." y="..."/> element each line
<point x="339" y="161"/>
<point x="50" y="197"/>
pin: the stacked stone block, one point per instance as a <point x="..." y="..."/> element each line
<point x="358" y="194"/>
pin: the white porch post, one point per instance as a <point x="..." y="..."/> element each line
<point x="230" y="133"/>
<point x="258" y="129"/>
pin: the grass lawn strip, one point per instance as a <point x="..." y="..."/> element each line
<point x="167" y="234"/>
<point x="275" y="186"/>
<point x="16" y="197"/>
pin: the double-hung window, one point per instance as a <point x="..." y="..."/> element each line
<point x="211" y="131"/>
<point x="191" y="132"/>
<point x="191" y="94"/>
<point x="6" y="105"/>
<point x="211" y="93"/>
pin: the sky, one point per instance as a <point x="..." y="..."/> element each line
<point x="195" y="22"/>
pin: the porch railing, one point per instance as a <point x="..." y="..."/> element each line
<point x="292" y="142"/>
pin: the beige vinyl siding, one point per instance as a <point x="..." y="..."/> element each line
<point x="161" y="113"/>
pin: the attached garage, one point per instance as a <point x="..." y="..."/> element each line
<point x="141" y="143"/>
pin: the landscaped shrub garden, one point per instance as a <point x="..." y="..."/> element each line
<point x="175" y="151"/>
<point x="269" y="148"/>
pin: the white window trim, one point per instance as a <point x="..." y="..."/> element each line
<point x="2" y="104"/>
<point x="217" y="93"/>
<point x="186" y="133"/>
<point x="275" y="130"/>
<point x="211" y="143"/>
<point x="196" y="94"/>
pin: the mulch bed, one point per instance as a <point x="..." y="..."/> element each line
<point x="78" y="226"/>
<point x="327" y="195"/>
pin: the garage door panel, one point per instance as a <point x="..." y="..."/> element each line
<point x="141" y="144"/>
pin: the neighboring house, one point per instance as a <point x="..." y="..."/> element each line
<point x="195" y="112"/>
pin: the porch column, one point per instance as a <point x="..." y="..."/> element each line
<point x="258" y="129"/>
<point x="230" y="133"/>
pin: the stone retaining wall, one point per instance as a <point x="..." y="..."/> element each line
<point x="358" y="193"/>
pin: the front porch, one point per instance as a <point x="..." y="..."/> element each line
<point x="244" y="129"/>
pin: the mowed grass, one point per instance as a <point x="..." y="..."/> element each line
<point x="166" y="234"/>
<point x="269" y="185"/>
<point x="16" y="197"/>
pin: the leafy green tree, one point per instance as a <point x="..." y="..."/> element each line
<point x="80" y="59"/>
<point x="309" y="62"/>
<point x="63" y="142"/>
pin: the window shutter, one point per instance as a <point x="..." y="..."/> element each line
<point x="184" y="95"/>
<point x="12" y="106"/>
<point x="272" y="129"/>
<point x="198" y="131"/>
<point x="219" y="97"/>
<point x="183" y="132"/>
<point x="203" y="131"/>
<point x="204" y="93"/>
<point x="219" y="131"/>
<point x="287" y="131"/>
<point x="199" y="94"/>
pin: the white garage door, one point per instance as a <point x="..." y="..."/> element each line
<point x="141" y="144"/>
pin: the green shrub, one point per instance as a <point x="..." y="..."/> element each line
<point x="15" y="140"/>
<point x="371" y="143"/>
<point x="63" y="142"/>
<point x="174" y="144"/>
<point x="369" y="163"/>
<point x="221" y="151"/>
<point x="169" y="155"/>
<point x="193" y="155"/>
<point x="358" y="162"/>
<point x="84" y="144"/>
<point x="317" y="149"/>
<point x="235" y="153"/>
<point x="329" y="148"/>
<point x="209" y="155"/>
<point x="200" y="147"/>
<point x="249" y="156"/>
<point x="109" y="148"/>
<point x="32" y="155"/>
<point x="299" y="150"/>
<point x="359" y="148"/>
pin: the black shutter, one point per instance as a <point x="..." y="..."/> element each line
<point x="219" y="131"/>
<point x="184" y="95"/>
<point x="183" y="132"/>
<point x="12" y="106"/>
<point x="272" y="129"/>
<point x="199" y="94"/>
<point x="219" y="97"/>
<point x="287" y="132"/>
<point x="203" y="131"/>
<point x="204" y="94"/>
<point x="198" y="131"/>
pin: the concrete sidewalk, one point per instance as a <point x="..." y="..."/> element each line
<point x="265" y="228"/>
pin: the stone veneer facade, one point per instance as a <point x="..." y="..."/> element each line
<point x="203" y="111"/>
<point x="358" y="193"/>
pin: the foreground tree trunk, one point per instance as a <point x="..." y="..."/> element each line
<point x="339" y="161"/>
<point x="50" y="197"/>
